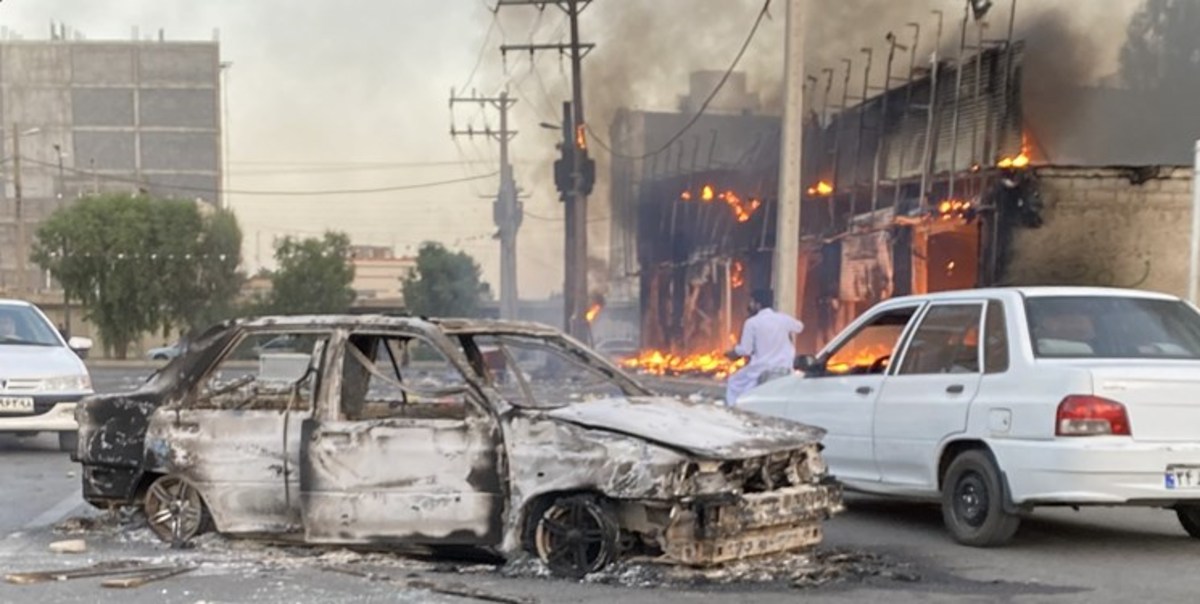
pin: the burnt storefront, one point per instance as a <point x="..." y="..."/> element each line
<point x="959" y="177"/>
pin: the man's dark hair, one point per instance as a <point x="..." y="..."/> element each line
<point x="764" y="297"/>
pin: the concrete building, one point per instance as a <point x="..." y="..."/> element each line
<point x="378" y="274"/>
<point x="97" y="116"/>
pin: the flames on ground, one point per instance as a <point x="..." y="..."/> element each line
<point x="710" y="364"/>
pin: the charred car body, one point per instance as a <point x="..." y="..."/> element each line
<point x="506" y="436"/>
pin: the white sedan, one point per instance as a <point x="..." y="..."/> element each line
<point x="996" y="401"/>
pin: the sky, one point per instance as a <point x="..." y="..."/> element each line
<point x="354" y="94"/>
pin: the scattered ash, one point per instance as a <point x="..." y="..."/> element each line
<point x="217" y="554"/>
<point x="796" y="571"/>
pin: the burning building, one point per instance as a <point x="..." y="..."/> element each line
<point x="985" y="169"/>
<point x="693" y="227"/>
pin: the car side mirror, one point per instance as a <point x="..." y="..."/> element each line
<point x="805" y="363"/>
<point x="79" y="344"/>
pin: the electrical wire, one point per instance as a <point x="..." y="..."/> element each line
<point x="482" y="50"/>
<point x="703" y="107"/>
<point x="148" y="183"/>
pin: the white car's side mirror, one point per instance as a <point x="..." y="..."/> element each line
<point x="78" y="343"/>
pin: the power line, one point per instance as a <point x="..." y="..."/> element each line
<point x="148" y="183"/>
<point x="482" y="49"/>
<point x="703" y="107"/>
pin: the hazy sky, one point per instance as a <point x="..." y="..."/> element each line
<point x="320" y="90"/>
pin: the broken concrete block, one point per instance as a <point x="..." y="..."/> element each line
<point x="69" y="546"/>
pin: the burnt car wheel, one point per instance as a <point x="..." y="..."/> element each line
<point x="973" y="502"/>
<point x="174" y="510"/>
<point x="1189" y="517"/>
<point x="576" y="536"/>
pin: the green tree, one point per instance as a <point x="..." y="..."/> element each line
<point x="138" y="265"/>
<point x="1162" y="50"/>
<point x="444" y="284"/>
<point x="314" y="275"/>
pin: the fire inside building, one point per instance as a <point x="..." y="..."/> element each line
<point x="957" y="178"/>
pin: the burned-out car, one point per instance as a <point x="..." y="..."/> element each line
<point x="507" y="436"/>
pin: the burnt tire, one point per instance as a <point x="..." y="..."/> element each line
<point x="68" y="442"/>
<point x="574" y="536"/>
<point x="973" y="502"/>
<point x="1189" y="517"/>
<point x="175" y="511"/>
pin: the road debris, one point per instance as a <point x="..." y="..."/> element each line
<point x="99" y="569"/>
<point x="69" y="546"/>
<point x="143" y="578"/>
<point x="447" y="589"/>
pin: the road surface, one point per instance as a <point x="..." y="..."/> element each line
<point x="1059" y="556"/>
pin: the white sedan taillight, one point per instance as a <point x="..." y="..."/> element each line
<point x="1087" y="415"/>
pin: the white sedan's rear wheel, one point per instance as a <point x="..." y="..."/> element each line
<point x="973" y="502"/>
<point x="1189" y="517"/>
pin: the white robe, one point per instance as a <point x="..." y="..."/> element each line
<point x="767" y="340"/>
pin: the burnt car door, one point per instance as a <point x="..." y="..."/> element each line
<point x="406" y="450"/>
<point x="236" y="435"/>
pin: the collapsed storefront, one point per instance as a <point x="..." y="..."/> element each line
<point x="1010" y="198"/>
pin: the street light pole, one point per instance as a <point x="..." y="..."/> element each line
<point x="17" y="210"/>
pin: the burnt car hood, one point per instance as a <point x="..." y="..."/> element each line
<point x="707" y="431"/>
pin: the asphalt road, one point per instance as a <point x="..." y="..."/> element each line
<point x="1059" y="556"/>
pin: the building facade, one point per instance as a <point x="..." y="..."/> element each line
<point x="81" y="117"/>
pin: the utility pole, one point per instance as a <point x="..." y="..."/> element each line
<point x="18" y="214"/>
<point x="575" y="269"/>
<point x="787" y="238"/>
<point x="507" y="210"/>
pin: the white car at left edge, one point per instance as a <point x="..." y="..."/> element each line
<point x="42" y="376"/>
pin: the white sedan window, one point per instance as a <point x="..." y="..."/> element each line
<point x="947" y="341"/>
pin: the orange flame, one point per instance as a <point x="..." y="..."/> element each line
<point x="657" y="362"/>
<point x="861" y="358"/>
<point x="581" y="136"/>
<point x="742" y="209"/>
<point x="1017" y="163"/>
<point x="821" y="189"/>
<point x="953" y="208"/>
<point x="592" y="312"/>
<point x="737" y="276"/>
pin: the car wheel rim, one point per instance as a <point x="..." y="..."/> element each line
<point x="971" y="500"/>
<point x="571" y="538"/>
<point x="174" y="509"/>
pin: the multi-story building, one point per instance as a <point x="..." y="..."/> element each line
<point x="81" y="117"/>
<point x="379" y="275"/>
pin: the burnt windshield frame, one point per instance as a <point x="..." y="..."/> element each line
<point x="572" y="354"/>
<point x="1160" y="308"/>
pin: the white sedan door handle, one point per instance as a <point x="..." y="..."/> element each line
<point x="955" y="389"/>
<point x="863" y="390"/>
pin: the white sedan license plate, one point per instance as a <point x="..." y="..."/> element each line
<point x="1183" y="477"/>
<point x="12" y="404"/>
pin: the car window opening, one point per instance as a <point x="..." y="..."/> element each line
<point x="869" y="350"/>
<point x="400" y="377"/>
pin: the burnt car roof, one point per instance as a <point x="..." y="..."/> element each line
<point x="446" y="325"/>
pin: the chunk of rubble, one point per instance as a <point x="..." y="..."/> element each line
<point x="69" y="546"/>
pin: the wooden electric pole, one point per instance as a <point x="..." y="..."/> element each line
<point x="575" y="248"/>
<point x="507" y="211"/>
<point x="787" y="238"/>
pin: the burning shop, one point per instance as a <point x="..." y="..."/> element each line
<point x="991" y="165"/>
<point x="693" y="226"/>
